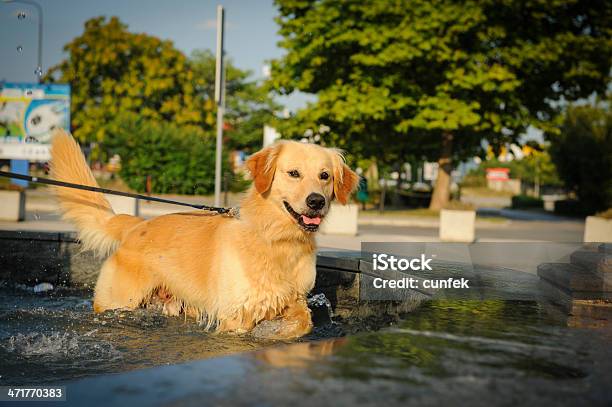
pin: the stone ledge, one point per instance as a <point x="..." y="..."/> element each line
<point x="572" y="278"/>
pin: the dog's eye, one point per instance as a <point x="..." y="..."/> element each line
<point x="294" y="173"/>
<point x="324" y="175"/>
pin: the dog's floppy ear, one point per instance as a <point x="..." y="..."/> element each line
<point x="345" y="179"/>
<point x="262" y="166"/>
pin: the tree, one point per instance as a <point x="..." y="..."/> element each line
<point x="113" y="71"/>
<point x="249" y="105"/>
<point x="582" y="151"/>
<point x="179" y="159"/>
<point x="435" y="78"/>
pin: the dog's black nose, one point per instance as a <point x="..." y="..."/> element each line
<point x="315" y="201"/>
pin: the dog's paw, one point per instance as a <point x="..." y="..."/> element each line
<point x="281" y="329"/>
<point x="172" y="308"/>
<point x="268" y="329"/>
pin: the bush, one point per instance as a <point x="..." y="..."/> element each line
<point x="582" y="151"/>
<point x="526" y="201"/>
<point x="180" y="160"/>
<point x="537" y="167"/>
<point x="570" y="207"/>
<point x="605" y="214"/>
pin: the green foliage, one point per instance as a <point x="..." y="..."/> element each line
<point x="536" y="167"/>
<point x="393" y="76"/>
<point x="113" y="71"/>
<point x="180" y="160"/>
<point x="248" y="104"/>
<point x="582" y="150"/>
<point x="526" y="201"/>
<point x="570" y="207"/>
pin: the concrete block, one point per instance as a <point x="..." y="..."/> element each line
<point x="572" y="278"/>
<point x="508" y="185"/>
<point x="12" y="205"/>
<point x="457" y="226"/>
<point x="592" y="260"/>
<point x="341" y="220"/>
<point x="549" y="201"/>
<point x="124" y="205"/>
<point x="598" y="229"/>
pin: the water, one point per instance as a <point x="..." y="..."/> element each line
<point x="448" y="352"/>
<point x="479" y="352"/>
<point x="54" y="336"/>
<point x="49" y="334"/>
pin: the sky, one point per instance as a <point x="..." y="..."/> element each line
<point x="251" y="33"/>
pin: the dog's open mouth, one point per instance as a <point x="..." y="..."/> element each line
<point x="309" y="222"/>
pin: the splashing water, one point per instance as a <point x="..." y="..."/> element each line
<point x="21" y="15"/>
<point x="319" y="300"/>
<point x="19" y="48"/>
<point x="38" y="344"/>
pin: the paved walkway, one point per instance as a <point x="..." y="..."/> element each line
<point x="520" y="226"/>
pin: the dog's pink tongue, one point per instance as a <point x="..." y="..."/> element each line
<point x="311" y="221"/>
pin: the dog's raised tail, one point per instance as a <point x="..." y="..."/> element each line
<point x="98" y="226"/>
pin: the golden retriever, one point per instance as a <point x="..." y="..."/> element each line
<point x="233" y="272"/>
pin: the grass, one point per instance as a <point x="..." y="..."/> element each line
<point x="484" y="192"/>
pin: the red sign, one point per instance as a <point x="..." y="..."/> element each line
<point x="498" y="174"/>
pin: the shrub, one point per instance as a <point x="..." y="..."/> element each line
<point x="570" y="207"/>
<point x="537" y="167"/>
<point x="605" y="214"/>
<point x="526" y="201"/>
<point x="180" y="160"/>
<point x="582" y="151"/>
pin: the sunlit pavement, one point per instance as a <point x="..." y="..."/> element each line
<point x="520" y="231"/>
<point x="42" y="215"/>
<point x="515" y="231"/>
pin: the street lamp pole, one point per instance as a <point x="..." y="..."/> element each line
<point x="38" y="72"/>
<point x="220" y="99"/>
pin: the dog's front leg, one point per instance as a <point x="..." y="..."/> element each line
<point x="295" y="321"/>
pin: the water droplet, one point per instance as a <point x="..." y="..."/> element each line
<point x="36" y="216"/>
<point x="19" y="48"/>
<point x="38" y="71"/>
<point x="21" y="15"/>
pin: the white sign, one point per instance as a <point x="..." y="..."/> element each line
<point x="270" y="135"/>
<point x="25" y="151"/>
<point x="430" y="171"/>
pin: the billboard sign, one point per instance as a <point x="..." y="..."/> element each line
<point x="29" y="112"/>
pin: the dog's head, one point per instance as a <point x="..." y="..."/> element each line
<point x="302" y="179"/>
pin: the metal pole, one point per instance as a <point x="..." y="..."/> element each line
<point x="38" y="71"/>
<point x="220" y="99"/>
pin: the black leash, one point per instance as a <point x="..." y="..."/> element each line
<point x="49" y="181"/>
